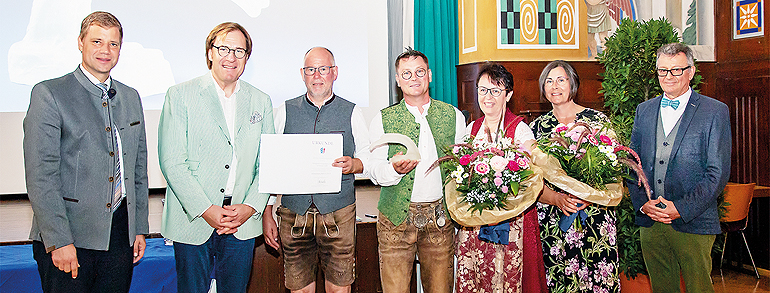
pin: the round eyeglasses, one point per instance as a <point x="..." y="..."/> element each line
<point x="223" y="51"/>
<point x="561" y="80"/>
<point x="495" y="92"/>
<point x="674" y="71"/>
<point x="322" y="70"/>
<point x="407" y="75"/>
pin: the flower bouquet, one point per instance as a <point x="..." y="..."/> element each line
<point x="588" y="162"/>
<point x="493" y="178"/>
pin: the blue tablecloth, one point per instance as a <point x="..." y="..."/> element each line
<point x="154" y="273"/>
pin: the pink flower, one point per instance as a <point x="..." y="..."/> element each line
<point x="605" y="139"/>
<point x="513" y="166"/>
<point x="504" y="188"/>
<point x="456" y="150"/>
<point x="523" y="163"/>
<point x="465" y="160"/>
<point x="499" y="174"/>
<point x="484" y="180"/>
<point x="498" y="163"/>
<point x="498" y="181"/>
<point x="561" y="128"/>
<point x="573" y="147"/>
<point x="482" y="168"/>
<point x="592" y="139"/>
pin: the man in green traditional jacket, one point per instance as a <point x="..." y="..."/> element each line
<point x="413" y="220"/>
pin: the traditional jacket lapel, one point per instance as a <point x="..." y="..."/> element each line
<point x="684" y="124"/>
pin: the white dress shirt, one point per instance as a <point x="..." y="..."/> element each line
<point x="427" y="187"/>
<point x="228" y="109"/>
<point x="669" y="116"/>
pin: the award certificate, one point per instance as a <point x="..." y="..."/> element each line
<point x="299" y="163"/>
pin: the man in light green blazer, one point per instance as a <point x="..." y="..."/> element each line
<point x="208" y="144"/>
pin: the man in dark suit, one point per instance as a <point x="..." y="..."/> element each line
<point x="85" y="160"/>
<point x="684" y="142"/>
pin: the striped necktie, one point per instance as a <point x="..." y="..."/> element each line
<point x="117" y="194"/>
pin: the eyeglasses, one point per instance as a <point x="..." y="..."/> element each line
<point x="561" y="80"/>
<point x="225" y="50"/>
<point x="322" y="70"/>
<point x="407" y="75"/>
<point x="495" y="92"/>
<point x="674" y="71"/>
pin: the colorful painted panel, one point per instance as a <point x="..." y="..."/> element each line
<point x="748" y="18"/>
<point x="547" y="24"/>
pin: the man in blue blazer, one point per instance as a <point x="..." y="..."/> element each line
<point x="85" y="159"/>
<point x="208" y="143"/>
<point x="684" y="142"/>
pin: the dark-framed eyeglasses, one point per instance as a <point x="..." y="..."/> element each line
<point x="407" y="75"/>
<point x="223" y="51"/>
<point x="561" y="80"/>
<point x="674" y="71"/>
<point x="322" y="70"/>
<point x="495" y="92"/>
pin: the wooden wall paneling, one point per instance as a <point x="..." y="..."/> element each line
<point x="526" y="93"/>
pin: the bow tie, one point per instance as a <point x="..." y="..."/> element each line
<point x="666" y="102"/>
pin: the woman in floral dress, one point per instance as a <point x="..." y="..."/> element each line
<point x="585" y="257"/>
<point x="495" y="267"/>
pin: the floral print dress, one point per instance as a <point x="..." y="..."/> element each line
<point x="585" y="258"/>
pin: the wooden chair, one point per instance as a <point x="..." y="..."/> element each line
<point x="736" y="218"/>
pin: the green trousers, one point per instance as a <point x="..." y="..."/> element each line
<point x="669" y="253"/>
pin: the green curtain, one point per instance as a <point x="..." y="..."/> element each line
<point x="435" y="34"/>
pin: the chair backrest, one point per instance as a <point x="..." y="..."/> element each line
<point x="739" y="196"/>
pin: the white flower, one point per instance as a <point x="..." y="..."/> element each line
<point x="498" y="163"/>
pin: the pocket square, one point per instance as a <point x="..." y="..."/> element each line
<point x="255" y="117"/>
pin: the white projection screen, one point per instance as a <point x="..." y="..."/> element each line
<point x="163" y="44"/>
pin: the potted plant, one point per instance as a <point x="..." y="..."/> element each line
<point x="630" y="79"/>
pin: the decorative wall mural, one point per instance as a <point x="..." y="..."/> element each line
<point x="748" y="18"/>
<point x="529" y="24"/>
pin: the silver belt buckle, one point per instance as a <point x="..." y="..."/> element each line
<point x="440" y="217"/>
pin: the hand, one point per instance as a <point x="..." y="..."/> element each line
<point x="242" y="214"/>
<point x="270" y="230"/>
<point x="670" y="209"/>
<point x="349" y="165"/>
<point x="568" y="203"/>
<point x="215" y="215"/>
<point x="657" y="214"/>
<point x="404" y="166"/>
<point x="66" y="259"/>
<point x="139" y="245"/>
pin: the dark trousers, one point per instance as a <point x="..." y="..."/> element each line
<point x="228" y="257"/>
<point x="100" y="271"/>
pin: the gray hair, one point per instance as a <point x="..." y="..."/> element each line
<point x="673" y="49"/>
<point x="572" y="76"/>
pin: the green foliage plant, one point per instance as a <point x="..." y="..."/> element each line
<point x="629" y="79"/>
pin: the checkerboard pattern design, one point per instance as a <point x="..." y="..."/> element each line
<point x="546" y="24"/>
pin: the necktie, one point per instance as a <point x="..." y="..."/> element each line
<point x="117" y="194"/>
<point x="666" y="103"/>
<point x="103" y="86"/>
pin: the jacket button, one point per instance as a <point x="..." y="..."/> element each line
<point x="227" y="166"/>
<point x="107" y="128"/>
<point x="661" y="162"/>
<point x="660" y="181"/>
<point x="109" y="205"/>
<point x="112" y="154"/>
<point x="222" y="190"/>
<point x="665" y="143"/>
<point x="104" y="104"/>
<point x="111" y="179"/>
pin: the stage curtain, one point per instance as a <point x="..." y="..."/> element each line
<point x="435" y="30"/>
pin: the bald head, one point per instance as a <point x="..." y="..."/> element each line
<point x="319" y="73"/>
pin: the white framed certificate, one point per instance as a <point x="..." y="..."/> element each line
<point x="299" y="163"/>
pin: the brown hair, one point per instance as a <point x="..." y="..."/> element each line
<point x="409" y="54"/>
<point x="102" y="19"/>
<point x="221" y="30"/>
